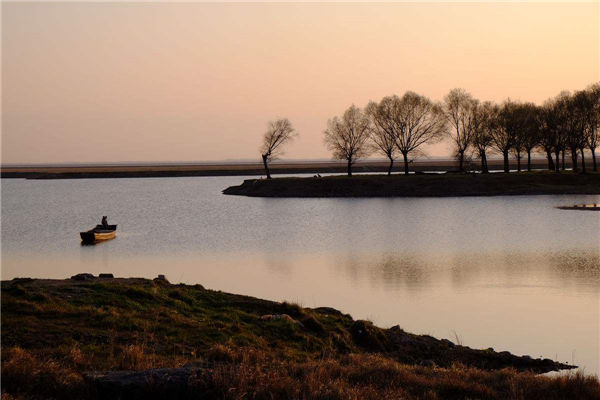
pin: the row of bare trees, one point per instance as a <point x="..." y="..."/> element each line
<point x="397" y="126"/>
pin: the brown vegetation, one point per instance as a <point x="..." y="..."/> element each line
<point x="58" y="335"/>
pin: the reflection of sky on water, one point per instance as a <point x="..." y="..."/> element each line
<point x="513" y="273"/>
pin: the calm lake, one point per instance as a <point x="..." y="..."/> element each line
<point x="512" y="273"/>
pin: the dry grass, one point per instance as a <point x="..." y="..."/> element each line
<point x="236" y="373"/>
<point x="54" y="331"/>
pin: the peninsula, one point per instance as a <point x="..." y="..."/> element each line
<point x="422" y="185"/>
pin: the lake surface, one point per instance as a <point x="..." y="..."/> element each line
<point x="512" y="273"/>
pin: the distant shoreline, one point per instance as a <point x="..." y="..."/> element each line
<point x="422" y="185"/>
<point x="233" y="169"/>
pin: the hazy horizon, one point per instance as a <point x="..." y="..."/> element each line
<point x="159" y="82"/>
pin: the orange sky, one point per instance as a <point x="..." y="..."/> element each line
<point x="93" y="82"/>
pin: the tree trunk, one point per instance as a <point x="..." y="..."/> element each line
<point x="350" y="166"/>
<point x="574" y="160"/>
<point x="582" y="159"/>
<point x="461" y="160"/>
<point x="594" y="159"/>
<point x="405" y="155"/>
<point x="391" y="166"/>
<point x="266" y="164"/>
<point x="505" y="154"/>
<point x="519" y="161"/>
<point x="550" y="161"/>
<point x="529" y="160"/>
<point x="557" y="154"/>
<point x="484" y="167"/>
<point x="563" y="159"/>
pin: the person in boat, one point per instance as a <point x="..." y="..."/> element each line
<point x="105" y="221"/>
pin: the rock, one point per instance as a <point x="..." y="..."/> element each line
<point x="83" y="277"/>
<point x="160" y="383"/>
<point x="330" y="311"/>
<point x="161" y="280"/>
<point x="366" y="335"/>
<point x="106" y="275"/>
<point x="285" y="317"/>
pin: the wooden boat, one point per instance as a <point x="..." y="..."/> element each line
<point x="99" y="233"/>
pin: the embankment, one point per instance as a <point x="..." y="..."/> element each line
<point x="90" y="337"/>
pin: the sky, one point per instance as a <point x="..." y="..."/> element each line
<point x="113" y="82"/>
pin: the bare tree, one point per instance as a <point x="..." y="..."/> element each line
<point x="459" y="112"/>
<point x="418" y="121"/>
<point x="485" y="117"/>
<point x="408" y="122"/>
<point x="593" y="121"/>
<point x="560" y="108"/>
<point x="278" y="134"/>
<point x="383" y="129"/>
<point x="347" y="137"/>
<point x="503" y="134"/>
<point x="520" y="134"/>
<point x="546" y="120"/>
<point x="571" y="108"/>
<point x="530" y="130"/>
<point x="581" y="112"/>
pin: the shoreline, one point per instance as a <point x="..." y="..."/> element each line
<point x="114" y="335"/>
<point x="241" y="169"/>
<point x="422" y="185"/>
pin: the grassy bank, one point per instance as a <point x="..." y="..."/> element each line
<point x="57" y="335"/>
<point x="422" y="185"/>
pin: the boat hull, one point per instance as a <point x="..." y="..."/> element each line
<point x="99" y="233"/>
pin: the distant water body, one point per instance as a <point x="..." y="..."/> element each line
<point x="512" y="273"/>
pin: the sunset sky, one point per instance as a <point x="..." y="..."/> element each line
<point x="94" y="82"/>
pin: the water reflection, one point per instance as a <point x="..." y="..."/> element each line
<point x="398" y="271"/>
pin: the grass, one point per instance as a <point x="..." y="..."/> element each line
<point x="54" y="331"/>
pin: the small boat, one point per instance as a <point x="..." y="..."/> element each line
<point x="99" y="233"/>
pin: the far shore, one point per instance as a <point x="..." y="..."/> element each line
<point x="422" y="185"/>
<point x="236" y="169"/>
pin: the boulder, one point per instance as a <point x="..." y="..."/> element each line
<point x="285" y="317"/>
<point x="83" y="277"/>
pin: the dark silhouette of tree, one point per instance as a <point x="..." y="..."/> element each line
<point x="458" y="107"/>
<point x="485" y="118"/>
<point x="561" y="110"/>
<point x="413" y="120"/>
<point x="570" y="109"/>
<point x="580" y="113"/>
<point x="348" y="137"/>
<point x="383" y="127"/>
<point x="505" y="128"/>
<point x="548" y="132"/>
<point x="593" y="121"/>
<point x="530" y="131"/>
<point x="278" y="134"/>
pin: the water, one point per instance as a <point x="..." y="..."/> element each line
<point x="512" y="273"/>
